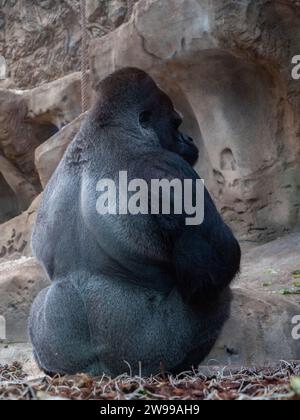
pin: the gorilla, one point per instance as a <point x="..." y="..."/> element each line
<point x="129" y="293"/>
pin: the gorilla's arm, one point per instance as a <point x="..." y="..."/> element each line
<point x="206" y="257"/>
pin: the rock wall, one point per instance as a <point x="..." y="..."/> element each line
<point x="228" y="66"/>
<point x="27" y="119"/>
<point x="41" y="39"/>
<point x="41" y="43"/>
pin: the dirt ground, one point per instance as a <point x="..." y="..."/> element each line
<point x="280" y="383"/>
<point x="272" y="268"/>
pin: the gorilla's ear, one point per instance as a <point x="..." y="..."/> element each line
<point x="145" y="118"/>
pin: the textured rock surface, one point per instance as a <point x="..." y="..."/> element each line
<point x="271" y="268"/>
<point x="227" y="65"/>
<point x="259" y="332"/>
<point x="20" y="282"/>
<point x="41" y="39"/>
<point x="18" y="139"/>
<point x="27" y="119"/>
<point x="56" y="103"/>
<point x="15" y="235"/>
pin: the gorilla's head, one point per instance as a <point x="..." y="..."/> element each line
<point x="133" y="92"/>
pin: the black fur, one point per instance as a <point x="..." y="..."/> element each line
<point x="138" y="290"/>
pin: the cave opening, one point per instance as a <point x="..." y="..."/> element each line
<point x="43" y="130"/>
<point x="9" y="206"/>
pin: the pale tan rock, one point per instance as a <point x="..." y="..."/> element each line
<point x="15" y="235"/>
<point x="259" y="332"/>
<point x="227" y="66"/>
<point x="20" y="282"/>
<point x="7" y="84"/>
<point x="27" y="120"/>
<point x="24" y="191"/>
<point x="269" y="268"/>
<point x="56" y="103"/>
<point x="18" y="140"/>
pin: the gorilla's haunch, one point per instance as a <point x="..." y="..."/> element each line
<point x="140" y="291"/>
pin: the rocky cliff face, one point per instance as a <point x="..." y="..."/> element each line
<point x="40" y="39"/>
<point x="227" y="65"/>
<point x="41" y="43"/>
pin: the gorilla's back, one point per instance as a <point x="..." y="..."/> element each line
<point x="55" y="239"/>
<point x="70" y="235"/>
<point x="117" y="306"/>
<point x="127" y="290"/>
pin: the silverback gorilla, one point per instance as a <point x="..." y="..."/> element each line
<point x="134" y="292"/>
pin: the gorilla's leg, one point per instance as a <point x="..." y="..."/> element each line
<point x="92" y="328"/>
<point x="155" y="329"/>
<point x="59" y="330"/>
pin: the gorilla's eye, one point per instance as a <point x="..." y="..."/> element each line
<point x="145" y="118"/>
